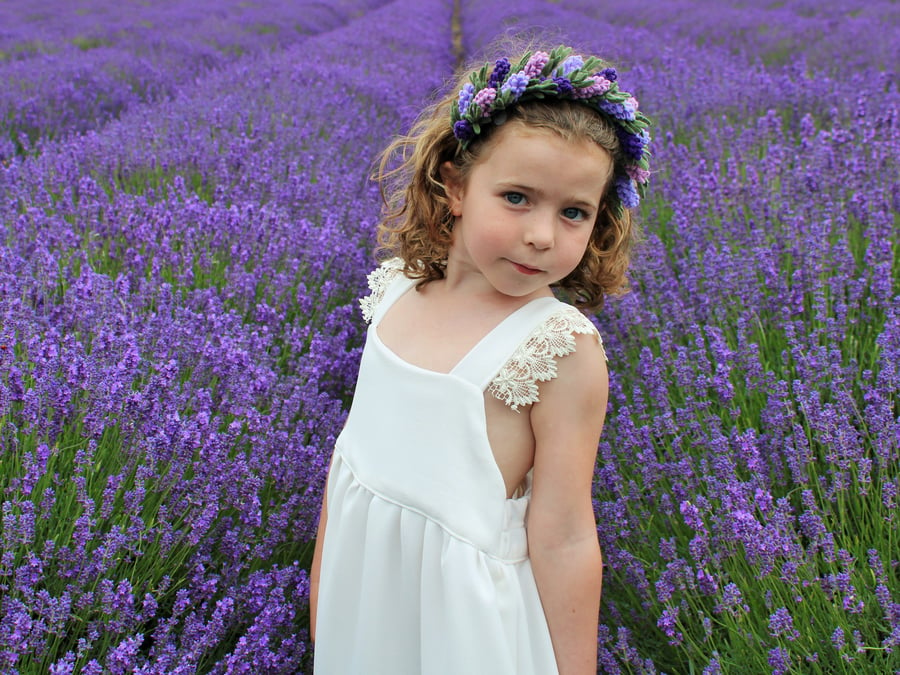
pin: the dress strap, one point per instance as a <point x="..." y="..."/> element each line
<point x="523" y="349"/>
<point x="484" y="360"/>
<point x="386" y="283"/>
<point x="534" y="360"/>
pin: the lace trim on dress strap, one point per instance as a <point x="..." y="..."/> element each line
<point x="535" y="359"/>
<point x="379" y="279"/>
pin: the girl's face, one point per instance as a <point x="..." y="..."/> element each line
<point x="525" y="213"/>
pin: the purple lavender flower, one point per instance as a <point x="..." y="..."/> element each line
<point x="610" y="74"/>
<point x="668" y="624"/>
<point x="714" y="667"/>
<point x="838" y="639"/>
<point x="123" y="657"/>
<point x="706" y="582"/>
<point x="64" y="666"/>
<point x="667" y="549"/>
<point x="781" y="624"/>
<point x="779" y="661"/>
<point x="692" y="516"/>
<point x="732" y="600"/>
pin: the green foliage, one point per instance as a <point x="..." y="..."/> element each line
<point x="85" y="43"/>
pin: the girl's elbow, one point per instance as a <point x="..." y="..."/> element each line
<point x="567" y="539"/>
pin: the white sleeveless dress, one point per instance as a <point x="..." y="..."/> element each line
<point x="425" y="567"/>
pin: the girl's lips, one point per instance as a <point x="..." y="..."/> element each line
<point x="524" y="269"/>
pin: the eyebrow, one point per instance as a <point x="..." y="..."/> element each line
<point x="520" y="187"/>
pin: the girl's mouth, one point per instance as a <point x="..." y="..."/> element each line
<point x="524" y="269"/>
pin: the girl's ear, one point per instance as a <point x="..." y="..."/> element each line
<point x="454" y="185"/>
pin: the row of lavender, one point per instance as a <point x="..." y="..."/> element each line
<point x="50" y="27"/>
<point x="833" y="37"/>
<point x="747" y="490"/>
<point x="70" y="68"/>
<point x="178" y="343"/>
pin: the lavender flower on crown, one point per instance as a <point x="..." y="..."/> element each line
<point x="536" y="64"/>
<point x="571" y="64"/>
<point x="563" y="86"/>
<point x="625" y="189"/>
<point x="516" y="85"/>
<point x="484" y="99"/>
<point x="501" y="70"/>
<point x="465" y="97"/>
<point x="599" y="87"/>
<point x="560" y="75"/>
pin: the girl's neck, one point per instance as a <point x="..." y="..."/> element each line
<point x="463" y="282"/>
<point x="469" y="291"/>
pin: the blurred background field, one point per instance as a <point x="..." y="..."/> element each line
<point x="187" y="223"/>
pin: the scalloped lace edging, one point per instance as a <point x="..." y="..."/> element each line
<point x="535" y="359"/>
<point x="379" y="279"/>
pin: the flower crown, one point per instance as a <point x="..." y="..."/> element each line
<point x="560" y="75"/>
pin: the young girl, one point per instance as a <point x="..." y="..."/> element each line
<point x="457" y="534"/>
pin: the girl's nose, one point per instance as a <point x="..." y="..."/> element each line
<point x="539" y="232"/>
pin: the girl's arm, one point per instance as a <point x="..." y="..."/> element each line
<point x="315" y="569"/>
<point x="562" y="532"/>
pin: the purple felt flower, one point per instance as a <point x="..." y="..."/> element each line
<point x="516" y="84"/>
<point x="633" y="144"/>
<point x="600" y="86"/>
<point x="465" y="97"/>
<point x="536" y="64"/>
<point x="637" y="174"/>
<point x="627" y="193"/>
<point x="631" y="107"/>
<point x="571" y="64"/>
<point x="484" y="99"/>
<point x="463" y="130"/>
<point x="501" y="70"/>
<point x="616" y="110"/>
<point x="563" y="85"/>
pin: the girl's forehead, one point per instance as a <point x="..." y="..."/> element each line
<point x="516" y="134"/>
<point x="517" y="152"/>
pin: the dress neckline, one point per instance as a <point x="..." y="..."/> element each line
<point x="510" y="318"/>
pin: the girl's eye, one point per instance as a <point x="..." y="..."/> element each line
<point x="515" y="198"/>
<point x="573" y="213"/>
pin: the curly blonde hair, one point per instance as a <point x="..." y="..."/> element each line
<point x="417" y="223"/>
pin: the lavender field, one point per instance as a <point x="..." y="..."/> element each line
<point x="187" y="223"/>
